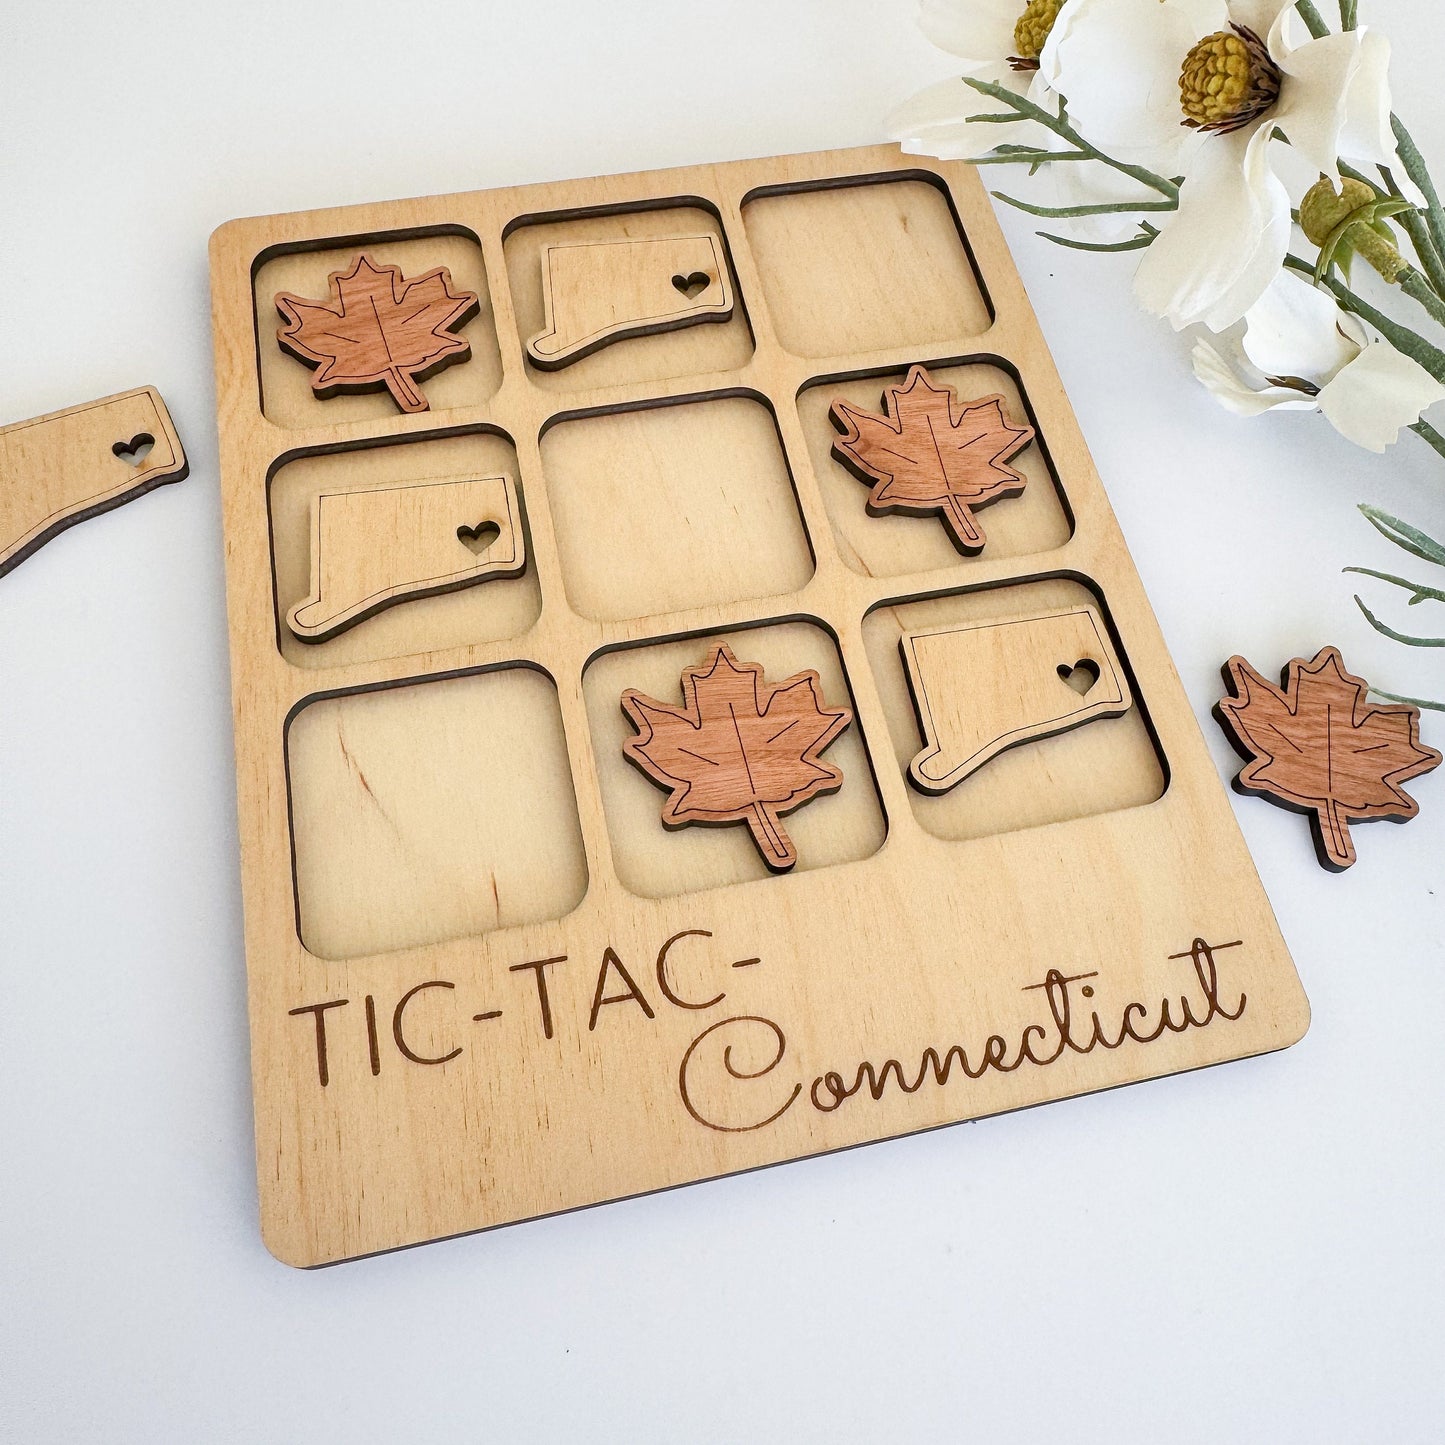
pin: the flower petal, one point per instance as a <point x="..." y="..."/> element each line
<point x="1379" y="392"/>
<point x="1118" y="62"/>
<point x="1367" y="134"/>
<point x="935" y="122"/>
<point x="1258" y="15"/>
<point x="1227" y="241"/>
<point x="980" y="32"/>
<point x="1293" y="330"/>
<point x="1235" y="394"/>
<point x="1335" y="98"/>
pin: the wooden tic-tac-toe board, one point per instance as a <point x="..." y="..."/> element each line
<point x="566" y="520"/>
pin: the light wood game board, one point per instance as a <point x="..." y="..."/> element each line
<point x="486" y="983"/>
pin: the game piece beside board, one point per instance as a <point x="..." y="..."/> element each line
<point x="978" y="854"/>
<point x="60" y="469"/>
<point x="1316" y="745"/>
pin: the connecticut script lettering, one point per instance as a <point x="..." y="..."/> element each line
<point x="737" y="1064"/>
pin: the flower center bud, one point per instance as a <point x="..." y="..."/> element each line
<point x="1347" y="216"/>
<point x="1031" y="30"/>
<point x="1227" y="81"/>
<point x="1323" y="207"/>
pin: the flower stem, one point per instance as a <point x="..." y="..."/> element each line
<point x="1314" y="21"/>
<point x="1060" y="127"/>
<point x="1417" y="287"/>
<point x="1418" y="230"/>
<point x="1419" y="172"/>
<point x="1400" y="337"/>
<point x="1348" y="10"/>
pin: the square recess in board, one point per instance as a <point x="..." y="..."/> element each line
<point x="490" y="610"/>
<point x="870" y="264"/>
<point x="436" y="810"/>
<point x="1037" y="520"/>
<point x="1112" y="763"/>
<point x="668" y="506"/>
<point x="692" y="350"/>
<point x="657" y="862"/>
<point x="287" y="397"/>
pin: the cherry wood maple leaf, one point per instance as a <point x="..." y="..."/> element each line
<point x="737" y="751"/>
<point x="1315" y="745"/>
<point x="379" y="330"/>
<point x="928" y="455"/>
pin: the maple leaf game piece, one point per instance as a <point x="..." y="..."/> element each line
<point x="737" y="751"/>
<point x="928" y="455"/>
<point x="1315" y="745"/>
<point x="378" y="330"/>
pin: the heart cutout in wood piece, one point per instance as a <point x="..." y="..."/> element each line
<point x="477" y="539"/>
<point x="1081" y="676"/>
<point x="692" y="285"/>
<point x="136" y="450"/>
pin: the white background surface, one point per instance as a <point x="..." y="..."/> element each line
<point x="1249" y="1253"/>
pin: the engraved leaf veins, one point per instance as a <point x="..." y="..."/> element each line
<point x="1316" y="745"/>
<point x="737" y="751"/>
<point x="927" y="454"/>
<point x="378" y="329"/>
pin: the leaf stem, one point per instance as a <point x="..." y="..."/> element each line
<point x="1390" y="631"/>
<point x="1112" y="208"/>
<point x="1423" y="429"/>
<point x="1413" y="701"/>
<point x="771" y="836"/>
<point x="1403" y="535"/>
<point x="1420" y="591"/>
<point x="1137" y="243"/>
<point x="1059" y="126"/>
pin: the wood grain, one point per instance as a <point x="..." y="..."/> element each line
<point x="1316" y="745"/>
<point x="600" y="291"/>
<point x="377" y="547"/>
<point x="932" y="454"/>
<point x="738" y="750"/>
<point x="378" y="329"/>
<point x="984" y="687"/>
<point x="503" y="1008"/>
<point x="61" y="468"/>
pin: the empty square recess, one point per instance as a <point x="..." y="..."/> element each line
<point x="667" y="507"/>
<point x="286" y="394"/>
<point x="1107" y="764"/>
<point x="689" y="351"/>
<point x="658" y="862"/>
<point x="486" y="611"/>
<point x="432" y="811"/>
<point x="1037" y="520"/>
<point x="864" y="267"/>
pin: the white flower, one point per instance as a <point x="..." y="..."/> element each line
<point x="1121" y="64"/>
<point x="1308" y="355"/>
<point x="935" y="122"/>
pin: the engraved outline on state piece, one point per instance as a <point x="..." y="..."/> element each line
<point x="1088" y="712"/>
<point x="722" y="310"/>
<point x="369" y="606"/>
